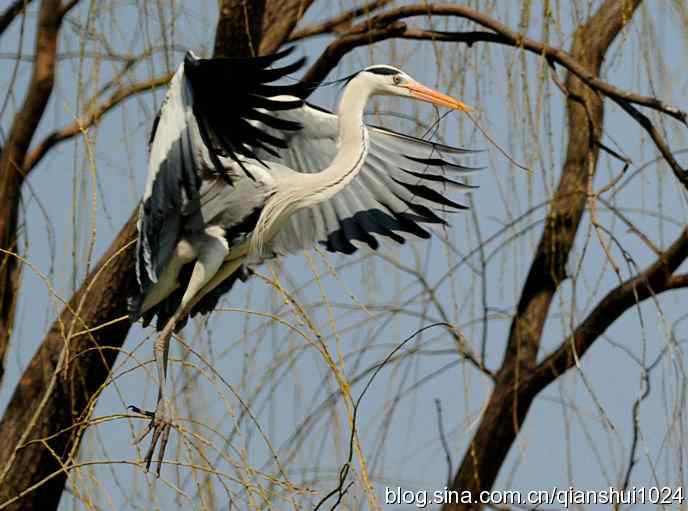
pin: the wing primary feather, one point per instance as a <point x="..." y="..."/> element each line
<point x="270" y="75"/>
<point x="260" y="135"/>
<point x="226" y="92"/>
<point x="272" y="121"/>
<point x="407" y="225"/>
<point x="438" y="162"/>
<point x="154" y="129"/>
<point x="273" y="104"/>
<point x="424" y="213"/>
<point x="259" y="145"/>
<point x="429" y="194"/>
<point x="439" y="179"/>
<point x="253" y="63"/>
<point x="238" y="161"/>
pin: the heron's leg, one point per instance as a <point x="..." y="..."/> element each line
<point x="160" y="418"/>
<point x="225" y="271"/>
<point x="184" y="253"/>
<point x="212" y="250"/>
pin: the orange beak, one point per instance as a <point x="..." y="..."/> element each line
<point x="429" y="95"/>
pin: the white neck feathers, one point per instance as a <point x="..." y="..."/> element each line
<point x="311" y="189"/>
<point x="353" y="146"/>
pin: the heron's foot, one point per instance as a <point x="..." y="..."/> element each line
<point x="160" y="425"/>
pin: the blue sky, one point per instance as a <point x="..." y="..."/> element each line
<point x="579" y="429"/>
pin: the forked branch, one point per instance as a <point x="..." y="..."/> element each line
<point x="11" y="12"/>
<point x="81" y="125"/>
<point x="655" y="279"/>
<point x="338" y="24"/>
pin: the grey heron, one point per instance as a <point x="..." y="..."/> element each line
<point x="242" y="170"/>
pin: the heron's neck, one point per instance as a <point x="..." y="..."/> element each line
<point x="353" y="145"/>
<point x="311" y="189"/>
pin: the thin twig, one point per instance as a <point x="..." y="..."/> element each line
<point x="340" y="490"/>
<point x="443" y="439"/>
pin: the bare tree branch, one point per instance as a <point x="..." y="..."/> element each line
<point x="14" y="10"/>
<point x="677" y="282"/>
<point x="94" y="116"/>
<point x="240" y="25"/>
<point x="68" y="6"/>
<point x="514" y="38"/>
<point x="468" y="38"/>
<point x="344" y="44"/>
<point x="656" y="279"/>
<point x="279" y="20"/>
<point x="644" y="121"/>
<point x="339" y="23"/>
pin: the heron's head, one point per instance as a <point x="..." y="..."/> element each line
<point x="390" y="81"/>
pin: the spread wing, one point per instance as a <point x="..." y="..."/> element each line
<point x="404" y="184"/>
<point x="204" y="130"/>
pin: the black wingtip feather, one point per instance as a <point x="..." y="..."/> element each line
<point x="228" y="91"/>
<point x="273" y="122"/>
<point x="438" y="178"/>
<point x="270" y="75"/>
<point x="429" y="194"/>
<point x="438" y="162"/>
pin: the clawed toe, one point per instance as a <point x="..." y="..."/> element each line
<point x="160" y="426"/>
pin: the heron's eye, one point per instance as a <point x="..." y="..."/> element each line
<point x="396" y="79"/>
